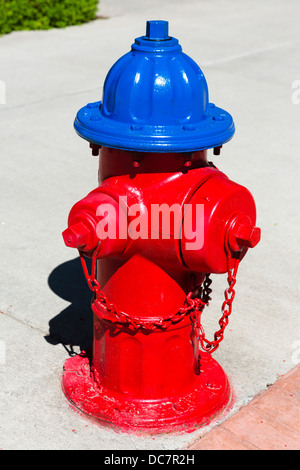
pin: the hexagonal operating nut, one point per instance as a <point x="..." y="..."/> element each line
<point x="157" y="30"/>
<point x="247" y="235"/>
<point x="76" y="235"/>
<point x="243" y="235"/>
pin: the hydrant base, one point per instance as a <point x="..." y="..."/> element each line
<point x="210" y="398"/>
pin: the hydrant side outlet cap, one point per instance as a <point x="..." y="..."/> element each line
<point x="155" y="99"/>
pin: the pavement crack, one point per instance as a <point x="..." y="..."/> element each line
<point x="23" y="322"/>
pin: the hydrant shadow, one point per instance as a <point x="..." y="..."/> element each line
<point x="73" y="326"/>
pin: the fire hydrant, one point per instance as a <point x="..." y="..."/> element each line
<point x="162" y="219"/>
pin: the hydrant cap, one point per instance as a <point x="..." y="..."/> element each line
<point x="155" y="99"/>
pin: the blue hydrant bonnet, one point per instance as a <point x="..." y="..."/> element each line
<point x="155" y="99"/>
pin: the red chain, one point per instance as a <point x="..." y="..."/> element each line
<point x="229" y="294"/>
<point x="193" y="306"/>
<point x="114" y="315"/>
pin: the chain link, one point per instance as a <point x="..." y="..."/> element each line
<point x="193" y="305"/>
<point x="229" y="294"/>
<point x="206" y="290"/>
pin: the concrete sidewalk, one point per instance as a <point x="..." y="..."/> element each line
<point x="249" y="53"/>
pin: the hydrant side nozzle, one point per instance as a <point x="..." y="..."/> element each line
<point x="97" y="218"/>
<point x="243" y="234"/>
<point x="76" y="235"/>
<point x="248" y="236"/>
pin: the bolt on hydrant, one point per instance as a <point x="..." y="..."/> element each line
<point x="161" y="221"/>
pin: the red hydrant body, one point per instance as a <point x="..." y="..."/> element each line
<point x="156" y="226"/>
